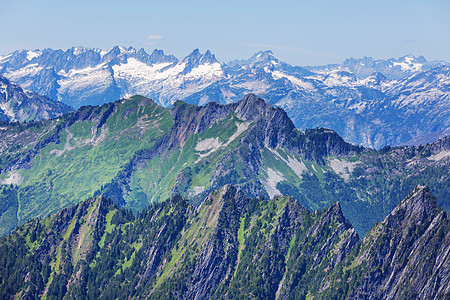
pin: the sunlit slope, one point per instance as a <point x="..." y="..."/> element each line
<point x="135" y="152"/>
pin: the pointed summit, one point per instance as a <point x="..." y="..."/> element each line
<point x="334" y="214"/>
<point x="208" y="58"/>
<point x="196" y="59"/>
<point x="266" y="55"/>
<point x="263" y="59"/>
<point x="158" y="56"/>
<point x="193" y="57"/>
<point x="417" y="207"/>
<point x="252" y="107"/>
<point x="113" y="52"/>
<point x="406" y="254"/>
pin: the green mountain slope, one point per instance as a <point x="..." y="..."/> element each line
<point x="230" y="247"/>
<point x="135" y="153"/>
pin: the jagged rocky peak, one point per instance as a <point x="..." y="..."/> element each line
<point x="252" y="107"/>
<point x="263" y="56"/>
<point x="411" y="58"/>
<point x="334" y="215"/>
<point x="208" y="58"/>
<point x="406" y="255"/>
<point x="120" y="50"/>
<point x="363" y="61"/>
<point x="417" y="207"/>
<point x="193" y="57"/>
<point x="229" y="192"/>
<point x="114" y="51"/>
<point x="196" y="58"/>
<point x="158" y="56"/>
<point x="4" y="82"/>
<point x="78" y="50"/>
<point x="334" y="212"/>
<point x="443" y="144"/>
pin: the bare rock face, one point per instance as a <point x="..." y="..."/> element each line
<point x="231" y="246"/>
<point x="234" y="247"/>
<point x="406" y="255"/>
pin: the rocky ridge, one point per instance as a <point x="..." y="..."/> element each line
<point x="231" y="246"/>
<point x="406" y="255"/>
<point x="136" y="152"/>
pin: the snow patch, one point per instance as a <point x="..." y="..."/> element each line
<point x="257" y="87"/>
<point x="27" y="71"/>
<point x="272" y="179"/>
<point x="14" y="178"/>
<point x="207" y="70"/>
<point x="7" y="109"/>
<point x="197" y="190"/>
<point x="2" y="58"/>
<point x="408" y="65"/>
<point x="67" y="146"/>
<point x="96" y="79"/>
<point x="208" y="144"/>
<point x="241" y="127"/>
<point x="33" y="54"/>
<point x="296" y="81"/>
<point x="358" y="107"/>
<point x="213" y="144"/>
<point x="440" y="155"/>
<point x="342" y="168"/>
<point x="203" y="100"/>
<point x="296" y="166"/>
<point x="78" y="50"/>
<point x="134" y="69"/>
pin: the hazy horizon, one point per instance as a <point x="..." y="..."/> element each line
<point x="298" y="32"/>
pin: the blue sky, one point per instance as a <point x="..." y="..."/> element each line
<point x="299" y="32"/>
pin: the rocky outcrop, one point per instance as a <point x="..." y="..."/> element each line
<point x="406" y="256"/>
<point x="408" y="251"/>
<point x="18" y="105"/>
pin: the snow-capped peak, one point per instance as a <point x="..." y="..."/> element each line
<point x="78" y="50"/>
<point x="263" y="56"/>
<point x="196" y="59"/>
<point x="409" y="63"/>
<point x="32" y="54"/>
<point x="194" y="56"/>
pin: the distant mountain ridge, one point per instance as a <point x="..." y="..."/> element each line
<point x="368" y="102"/>
<point x="18" y="105"/>
<point x="393" y="68"/>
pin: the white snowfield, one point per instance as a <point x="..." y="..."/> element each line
<point x="272" y="178"/>
<point x="211" y="145"/>
<point x="358" y="95"/>
<point x="168" y="81"/>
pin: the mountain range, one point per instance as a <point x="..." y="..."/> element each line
<point x="18" y="105"/>
<point x="136" y="153"/>
<point x="230" y="247"/>
<point x="368" y="102"/>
